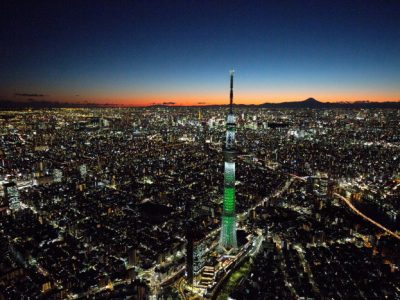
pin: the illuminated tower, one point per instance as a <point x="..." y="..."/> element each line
<point x="228" y="225"/>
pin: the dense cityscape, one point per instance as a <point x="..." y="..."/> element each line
<point x="127" y="204"/>
<point x="190" y="150"/>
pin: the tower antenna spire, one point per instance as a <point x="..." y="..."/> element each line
<point x="232" y="72"/>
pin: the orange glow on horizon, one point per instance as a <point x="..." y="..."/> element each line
<point x="188" y="100"/>
<point x="240" y="97"/>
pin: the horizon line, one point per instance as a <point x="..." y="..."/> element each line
<point x="174" y="104"/>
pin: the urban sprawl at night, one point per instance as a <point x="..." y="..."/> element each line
<point x="200" y="150"/>
<point x="114" y="203"/>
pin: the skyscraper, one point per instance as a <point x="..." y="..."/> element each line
<point x="228" y="239"/>
<point x="189" y="254"/>
<point x="12" y="195"/>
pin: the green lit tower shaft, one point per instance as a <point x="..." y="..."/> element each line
<point x="228" y="239"/>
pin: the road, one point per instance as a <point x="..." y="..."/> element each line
<point x="181" y="288"/>
<point x="243" y="215"/>
<point x="306" y="267"/>
<point x="353" y="208"/>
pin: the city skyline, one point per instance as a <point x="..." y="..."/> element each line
<point x="133" y="167"/>
<point x="104" y="202"/>
<point x="139" y="54"/>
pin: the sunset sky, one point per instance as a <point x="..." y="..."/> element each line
<point x="145" y="52"/>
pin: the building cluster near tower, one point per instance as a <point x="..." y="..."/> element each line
<point x="167" y="203"/>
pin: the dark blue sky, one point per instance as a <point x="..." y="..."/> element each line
<point x="141" y="52"/>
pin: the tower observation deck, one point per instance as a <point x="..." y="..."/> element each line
<point x="228" y="240"/>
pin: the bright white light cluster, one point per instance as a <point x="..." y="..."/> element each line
<point x="231" y="119"/>
<point x="229" y="171"/>
<point x="230" y="138"/>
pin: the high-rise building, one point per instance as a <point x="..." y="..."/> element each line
<point x="189" y="253"/>
<point x="133" y="257"/>
<point x="12" y="195"/>
<point x="200" y="249"/>
<point x="228" y="239"/>
<point x="83" y="170"/>
<point x="57" y="175"/>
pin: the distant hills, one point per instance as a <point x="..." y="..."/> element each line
<point x="309" y="103"/>
<point x="312" y="103"/>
